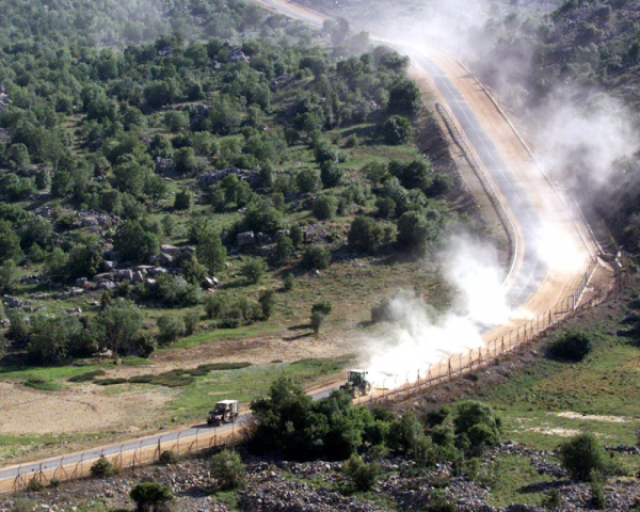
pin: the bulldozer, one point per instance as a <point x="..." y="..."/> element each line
<point x="225" y="411"/>
<point x="358" y="383"/>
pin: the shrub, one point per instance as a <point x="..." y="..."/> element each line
<point x="442" y="501"/>
<point x="361" y="476"/>
<point x="228" y="470"/>
<point x="325" y="208"/>
<point x="330" y="174"/>
<point x="167" y="458"/>
<point x="397" y="130"/>
<point x="316" y="257"/>
<point x="583" y="457"/>
<point x="598" y="498"/>
<point x="289" y="283"/>
<point x="183" y="200"/>
<point x="572" y="346"/>
<point x="365" y="234"/>
<point x="552" y="500"/>
<point x="476" y="426"/>
<point x="103" y="468"/>
<point x="267" y="302"/>
<point x="170" y="329"/>
<point x="324" y="308"/>
<point x="148" y="496"/>
<point x="317" y="319"/>
<point x="253" y="270"/>
<point x="35" y="485"/>
<point x="86" y="377"/>
<point x="191" y="320"/>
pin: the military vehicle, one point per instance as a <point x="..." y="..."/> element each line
<point x="225" y="411"/>
<point x="358" y="383"/>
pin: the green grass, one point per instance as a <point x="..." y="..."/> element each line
<point x="223" y="334"/>
<point x="607" y="383"/>
<point x="515" y="480"/>
<point x="244" y="385"/>
<point x="43" y="384"/>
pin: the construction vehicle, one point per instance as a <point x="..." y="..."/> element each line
<point x="225" y="411"/>
<point x="358" y="383"/>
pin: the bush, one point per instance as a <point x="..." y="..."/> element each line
<point x="552" y="500"/>
<point x="86" y="377"/>
<point x="228" y="470"/>
<point x="35" y="485"/>
<point x="148" y="496"/>
<point x="290" y="283"/>
<point x="170" y="329"/>
<point x="191" y="320"/>
<point x="316" y="257"/>
<point x="324" y="308"/>
<point x="317" y="319"/>
<point x="183" y="200"/>
<point x="365" y="234"/>
<point x="476" y="426"/>
<point x="253" y="270"/>
<point x="397" y="130"/>
<point x="267" y="301"/>
<point x="325" y="208"/>
<point x="572" y="346"/>
<point x="583" y="457"/>
<point x="103" y="468"/>
<point x="168" y="458"/>
<point x="361" y="476"/>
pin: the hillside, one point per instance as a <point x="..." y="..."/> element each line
<point x="186" y="200"/>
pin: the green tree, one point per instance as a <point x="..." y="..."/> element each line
<point x="8" y="276"/>
<point x="330" y="174"/>
<point x="362" y="476"/>
<point x="227" y="469"/>
<point x="50" y="338"/>
<point x="283" y="250"/>
<point x="211" y="252"/>
<point x="325" y="207"/>
<point x="9" y="243"/>
<point x="365" y="235"/>
<point x="397" y="130"/>
<point x="133" y="243"/>
<point x="404" y="99"/>
<point x="253" y="270"/>
<point x="415" y="231"/>
<point x="584" y="457"/>
<point x="150" y="496"/>
<point x="183" y="200"/>
<point x="156" y="188"/>
<point x="267" y="301"/>
<point x="308" y="180"/>
<point x="120" y="327"/>
<point x="477" y="427"/>
<point x="185" y="161"/>
<point x="297" y="235"/>
<point x="215" y="305"/>
<point x="572" y="346"/>
<point x="191" y="320"/>
<point x="316" y="257"/>
<point x="170" y="329"/>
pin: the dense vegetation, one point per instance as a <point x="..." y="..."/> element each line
<point x="138" y="165"/>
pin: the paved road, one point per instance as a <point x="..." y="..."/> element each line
<point x="527" y="281"/>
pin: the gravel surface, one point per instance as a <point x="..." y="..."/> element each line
<point x="278" y="486"/>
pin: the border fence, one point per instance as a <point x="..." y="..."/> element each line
<point x="148" y="450"/>
<point x="453" y="366"/>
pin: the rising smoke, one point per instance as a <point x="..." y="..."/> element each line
<point x="577" y="135"/>
<point x="420" y="335"/>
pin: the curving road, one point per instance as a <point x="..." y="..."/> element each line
<point x="529" y="197"/>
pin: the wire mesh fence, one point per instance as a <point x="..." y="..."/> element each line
<point x="131" y="455"/>
<point x="456" y="365"/>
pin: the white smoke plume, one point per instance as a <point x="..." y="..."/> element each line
<point x="420" y="335"/>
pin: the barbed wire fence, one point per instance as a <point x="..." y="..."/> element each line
<point x="402" y="387"/>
